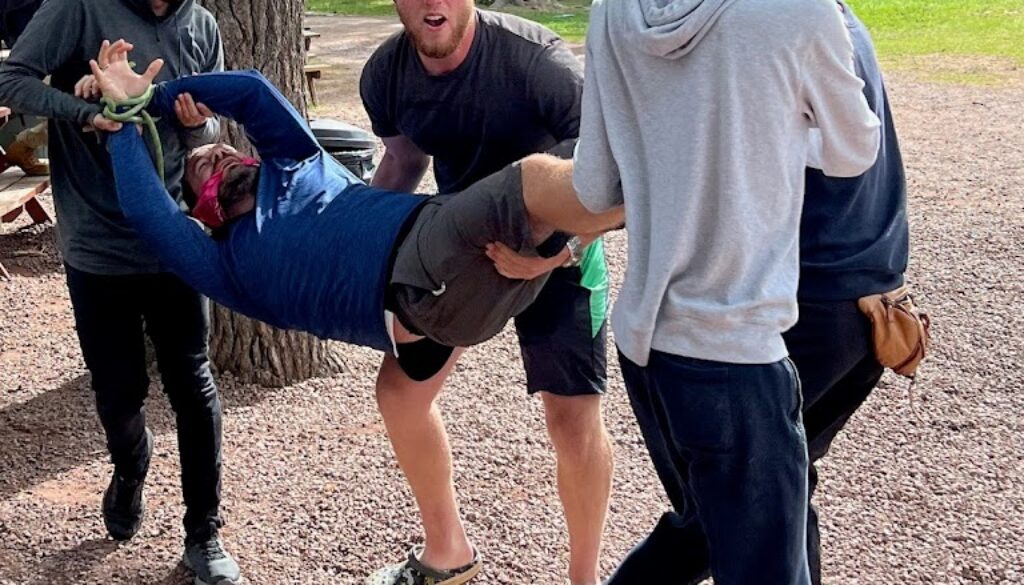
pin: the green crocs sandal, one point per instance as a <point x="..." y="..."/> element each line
<point x="413" y="572"/>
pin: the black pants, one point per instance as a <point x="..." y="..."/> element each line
<point x="728" y="446"/>
<point x="112" y="314"/>
<point x="831" y="347"/>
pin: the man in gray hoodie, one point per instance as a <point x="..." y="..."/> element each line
<point x="119" y="290"/>
<point x="710" y="167"/>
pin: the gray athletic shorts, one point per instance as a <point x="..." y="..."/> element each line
<point x="443" y="286"/>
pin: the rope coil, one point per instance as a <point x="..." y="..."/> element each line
<point x="133" y="111"/>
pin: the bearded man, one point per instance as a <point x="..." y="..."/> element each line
<point x="477" y="90"/>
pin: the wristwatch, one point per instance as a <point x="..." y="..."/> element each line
<point x="575" y="248"/>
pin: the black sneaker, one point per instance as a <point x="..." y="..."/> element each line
<point x="124" y="505"/>
<point x="211" y="564"/>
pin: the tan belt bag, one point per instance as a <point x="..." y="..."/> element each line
<point x="900" y="329"/>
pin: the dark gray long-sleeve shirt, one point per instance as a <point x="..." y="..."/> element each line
<point x="64" y="34"/>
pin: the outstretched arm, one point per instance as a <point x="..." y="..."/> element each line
<point x="182" y="246"/>
<point x="270" y="121"/>
<point x="272" y="124"/>
<point x="40" y="51"/>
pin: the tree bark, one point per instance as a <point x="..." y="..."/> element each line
<point x="265" y="35"/>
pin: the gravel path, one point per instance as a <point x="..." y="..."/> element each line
<point x="311" y="491"/>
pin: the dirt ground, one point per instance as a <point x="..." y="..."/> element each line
<point x="929" y="494"/>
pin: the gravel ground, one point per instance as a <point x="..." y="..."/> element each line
<point x="924" y="494"/>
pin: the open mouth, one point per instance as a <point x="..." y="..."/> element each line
<point x="435" y="22"/>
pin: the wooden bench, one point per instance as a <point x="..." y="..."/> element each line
<point x="18" y="193"/>
<point x="311" y="71"/>
<point x="312" y="74"/>
<point x="307" y="38"/>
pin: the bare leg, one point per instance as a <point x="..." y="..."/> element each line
<point x="420" y="441"/>
<point x="584" y="456"/>
<point x="552" y="202"/>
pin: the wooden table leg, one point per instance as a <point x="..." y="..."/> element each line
<point x="12" y="214"/>
<point x="37" y="212"/>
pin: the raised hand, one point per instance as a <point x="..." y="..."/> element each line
<point x="191" y="114"/>
<point x="114" y="74"/>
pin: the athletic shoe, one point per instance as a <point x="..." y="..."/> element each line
<point x="124" y="505"/>
<point x="211" y="564"/>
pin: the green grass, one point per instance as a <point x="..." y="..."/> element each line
<point x="570" y="22"/>
<point x="902" y="28"/>
<point x="353" y="7"/>
<point x="958" y="28"/>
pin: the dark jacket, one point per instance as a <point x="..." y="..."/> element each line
<point x="64" y="34"/>
<point x="854" y="239"/>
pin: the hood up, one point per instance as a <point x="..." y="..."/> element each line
<point x="672" y="28"/>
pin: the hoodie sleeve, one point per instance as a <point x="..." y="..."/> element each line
<point x="41" y="50"/>
<point x="210" y="131"/>
<point x="595" y="172"/>
<point x="845" y="143"/>
<point x="272" y="124"/>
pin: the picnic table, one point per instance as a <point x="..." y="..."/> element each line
<point x="307" y="38"/>
<point x="311" y="71"/>
<point x="19" y="192"/>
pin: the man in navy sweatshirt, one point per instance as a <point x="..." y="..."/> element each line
<point x="853" y="243"/>
<point x="303" y="244"/>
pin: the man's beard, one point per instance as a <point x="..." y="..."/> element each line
<point x="440" y="50"/>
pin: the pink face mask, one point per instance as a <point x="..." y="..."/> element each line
<point x="208" y="209"/>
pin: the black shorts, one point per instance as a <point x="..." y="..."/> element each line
<point x="563" y="334"/>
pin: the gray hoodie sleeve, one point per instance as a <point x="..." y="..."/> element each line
<point x="210" y="131"/>
<point x="595" y="173"/>
<point x="40" y="50"/>
<point x="846" y="143"/>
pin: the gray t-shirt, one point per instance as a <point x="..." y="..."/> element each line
<point x="517" y="93"/>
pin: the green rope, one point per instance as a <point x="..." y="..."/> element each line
<point x="133" y="111"/>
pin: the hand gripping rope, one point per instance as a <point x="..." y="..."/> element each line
<point x="133" y="111"/>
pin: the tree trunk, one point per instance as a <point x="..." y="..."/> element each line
<point x="265" y="35"/>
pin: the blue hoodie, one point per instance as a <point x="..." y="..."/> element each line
<point x="316" y="253"/>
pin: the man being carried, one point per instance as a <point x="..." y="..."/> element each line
<point x="300" y="243"/>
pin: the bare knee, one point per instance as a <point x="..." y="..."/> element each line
<point x="396" y="391"/>
<point x="574" y="423"/>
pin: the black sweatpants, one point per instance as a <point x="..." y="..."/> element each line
<point x="112" y="314"/>
<point x="831" y="347"/>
